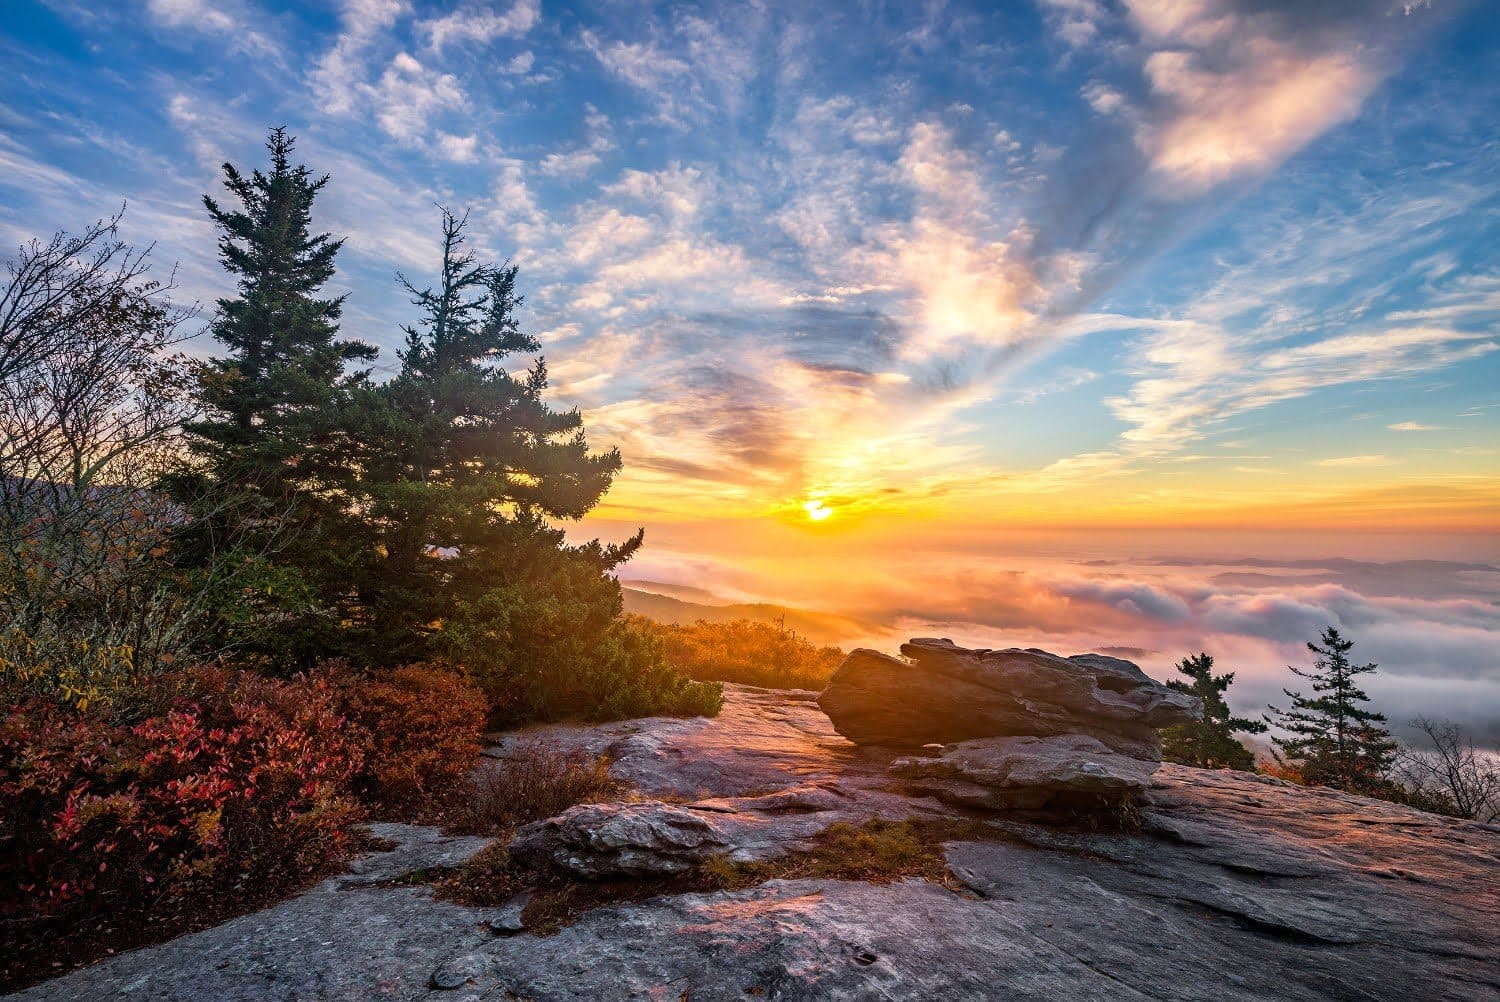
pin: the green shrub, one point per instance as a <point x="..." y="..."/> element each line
<point x="553" y="646"/>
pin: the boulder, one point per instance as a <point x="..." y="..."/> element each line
<point x="1028" y="773"/>
<point x="948" y="694"/>
<point x="606" y="841"/>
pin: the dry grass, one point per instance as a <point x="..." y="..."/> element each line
<point x="878" y="852"/>
<point x="535" y="782"/>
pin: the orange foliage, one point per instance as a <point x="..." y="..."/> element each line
<point x="746" y="651"/>
<point x="425" y="725"/>
<point x="239" y="787"/>
<point x="1282" y="770"/>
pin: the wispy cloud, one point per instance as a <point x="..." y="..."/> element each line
<point x="480" y="24"/>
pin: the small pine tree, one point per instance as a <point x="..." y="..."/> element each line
<point x="1208" y="743"/>
<point x="1334" y="740"/>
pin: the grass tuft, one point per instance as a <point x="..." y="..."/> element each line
<point x="533" y="783"/>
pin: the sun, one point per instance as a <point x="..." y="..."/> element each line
<point x="817" y="510"/>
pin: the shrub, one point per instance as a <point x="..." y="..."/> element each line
<point x="112" y="830"/>
<point x="424" y="727"/>
<point x="532" y="783"/>
<point x="745" y="651"/>
<point x="554" y="647"/>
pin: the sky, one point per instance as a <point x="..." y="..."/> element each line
<point x="1031" y="321"/>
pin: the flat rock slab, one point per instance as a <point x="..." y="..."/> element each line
<point x="347" y="938"/>
<point x="1237" y="887"/>
<point x="1028" y="773"/>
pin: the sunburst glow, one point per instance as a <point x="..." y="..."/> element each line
<point x="817" y="510"/>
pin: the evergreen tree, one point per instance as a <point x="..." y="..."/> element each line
<point x="463" y="464"/>
<point x="273" y="404"/>
<point x="272" y="398"/>
<point x="463" y="459"/>
<point x="1332" y="737"/>
<point x="1209" y="743"/>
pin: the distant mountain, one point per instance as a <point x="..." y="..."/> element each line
<point x="687" y="593"/>
<point x="818" y="627"/>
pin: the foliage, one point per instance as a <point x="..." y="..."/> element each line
<point x="260" y="514"/>
<point x="228" y="783"/>
<point x="1449" y="775"/>
<point x="91" y="402"/>
<point x="543" y="637"/>
<point x="532" y="782"/>
<point x="547" y="642"/>
<point x="1333" y="739"/>
<point x="424" y="727"/>
<point x="462" y="458"/>
<point x="274" y="424"/>
<point x="239" y="784"/>
<point x="1209" y="743"/>
<point x="745" y="651"/>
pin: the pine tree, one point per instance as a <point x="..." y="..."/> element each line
<point x="1209" y="743"/>
<point x="464" y="463"/>
<point x="273" y="406"/>
<point x="465" y="459"/>
<point x="271" y="398"/>
<point x="1333" y="738"/>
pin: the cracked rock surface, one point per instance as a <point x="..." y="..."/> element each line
<point x="1236" y="887"/>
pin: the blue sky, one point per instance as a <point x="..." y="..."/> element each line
<point x="1020" y="298"/>
<point x="967" y="258"/>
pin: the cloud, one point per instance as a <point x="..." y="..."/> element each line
<point x="641" y="64"/>
<point x="1357" y="461"/>
<point x="458" y="149"/>
<point x="225" y="18"/>
<point x="192" y="13"/>
<point x="409" y="96"/>
<point x="1413" y="426"/>
<point x="481" y="24"/>
<point x="338" y="77"/>
<point x="1248" y="116"/>
<point x="520" y="64"/>
<point x="1437" y="654"/>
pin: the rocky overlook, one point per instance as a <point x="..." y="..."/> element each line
<point x="1225" y="885"/>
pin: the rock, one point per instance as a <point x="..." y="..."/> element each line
<point x="601" y="841"/>
<point x="510" y="920"/>
<point x="455" y="972"/>
<point x="1028" y="773"/>
<point x="415" y="849"/>
<point x="1237" y="887"/>
<point x="949" y="694"/>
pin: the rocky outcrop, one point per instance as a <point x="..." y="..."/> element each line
<point x="1015" y="729"/>
<point x="1062" y="772"/>
<point x="947" y="694"/>
<point x="604" y="841"/>
<point x="1236" y="887"/>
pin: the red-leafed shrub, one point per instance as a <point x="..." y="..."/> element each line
<point x="424" y="725"/>
<point x="110" y="830"/>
